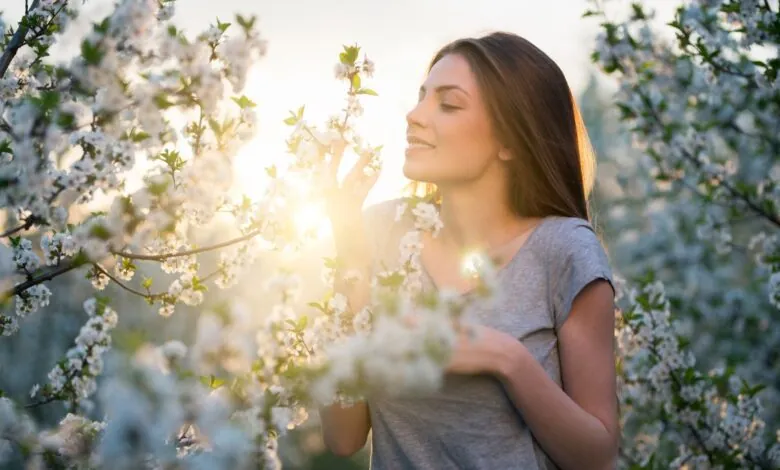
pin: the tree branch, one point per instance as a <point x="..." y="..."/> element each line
<point x="12" y="231"/>
<point x="17" y="41"/>
<point x="195" y="251"/>
<point x="76" y="262"/>
<point x="773" y="218"/>
<point x="45" y="401"/>
<point x="29" y="222"/>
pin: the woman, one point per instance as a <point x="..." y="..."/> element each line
<point x="497" y="133"/>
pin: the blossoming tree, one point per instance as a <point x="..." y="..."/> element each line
<point x="700" y="96"/>
<point x="142" y="98"/>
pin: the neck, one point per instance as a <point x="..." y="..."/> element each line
<point x="479" y="216"/>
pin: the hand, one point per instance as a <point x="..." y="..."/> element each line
<point x="344" y="202"/>
<point x="480" y="350"/>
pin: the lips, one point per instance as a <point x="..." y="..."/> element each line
<point x="416" y="142"/>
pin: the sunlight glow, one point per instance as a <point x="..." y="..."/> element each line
<point x="312" y="221"/>
<point x="472" y="264"/>
<point x="276" y="94"/>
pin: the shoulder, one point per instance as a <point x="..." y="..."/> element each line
<point x="564" y="235"/>
<point x="575" y="257"/>
<point x="383" y="225"/>
<point x="572" y="243"/>
<point x="383" y="214"/>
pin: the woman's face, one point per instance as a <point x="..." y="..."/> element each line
<point x="449" y="133"/>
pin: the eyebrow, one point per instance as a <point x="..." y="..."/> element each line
<point x="442" y="88"/>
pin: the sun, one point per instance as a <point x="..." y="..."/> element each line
<point x="275" y="95"/>
<point x="312" y="221"/>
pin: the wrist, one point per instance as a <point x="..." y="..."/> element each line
<point x="507" y="353"/>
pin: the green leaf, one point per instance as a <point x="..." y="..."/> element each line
<point x="356" y="81"/>
<point x="64" y="120"/>
<point x="137" y="136"/>
<point x="212" y="381"/>
<point x="350" y="55"/>
<point x="392" y="280"/>
<point x="246" y="23"/>
<point x="48" y="100"/>
<point x="147" y="283"/>
<point x="91" y="53"/>
<point x="99" y="231"/>
<point x="215" y="127"/>
<point x="244" y="102"/>
<point x="162" y="101"/>
<point x="5" y="146"/>
<point x="367" y="91"/>
<point x="639" y="13"/>
<point x="103" y="26"/>
<point x="222" y="26"/>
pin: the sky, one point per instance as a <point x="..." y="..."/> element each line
<point x="400" y="36"/>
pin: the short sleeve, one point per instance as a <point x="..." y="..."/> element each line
<point x="580" y="260"/>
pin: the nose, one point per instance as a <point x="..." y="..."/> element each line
<point x="417" y="116"/>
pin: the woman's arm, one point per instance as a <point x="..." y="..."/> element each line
<point x="578" y="428"/>
<point x="345" y="428"/>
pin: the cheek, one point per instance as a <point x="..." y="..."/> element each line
<point x="468" y="146"/>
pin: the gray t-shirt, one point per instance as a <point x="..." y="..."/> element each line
<point x="471" y="423"/>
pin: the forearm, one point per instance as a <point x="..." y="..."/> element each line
<point x="345" y="429"/>
<point x="572" y="437"/>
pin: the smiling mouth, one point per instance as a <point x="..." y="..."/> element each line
<point x="417" y="149"/>
<point x="417" y="143"/>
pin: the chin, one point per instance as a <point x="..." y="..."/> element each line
<point x="416" y="171"/>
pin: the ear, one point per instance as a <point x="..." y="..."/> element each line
<point x="504" y="155"/>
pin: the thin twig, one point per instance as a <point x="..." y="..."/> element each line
<point x="40" y="403"/>
<point x="124" y="286"/>
<point x="195" y="251"/>
<point x="139" y="293"/>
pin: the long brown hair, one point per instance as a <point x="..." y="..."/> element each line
<point x="535" y="116"/>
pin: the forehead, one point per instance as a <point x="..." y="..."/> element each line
<point x="452" y="69"/>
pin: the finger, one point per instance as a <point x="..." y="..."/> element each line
<point x="337" y="152"/>
<point x="356" y="173"/>
<point x="364" y="185"/>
